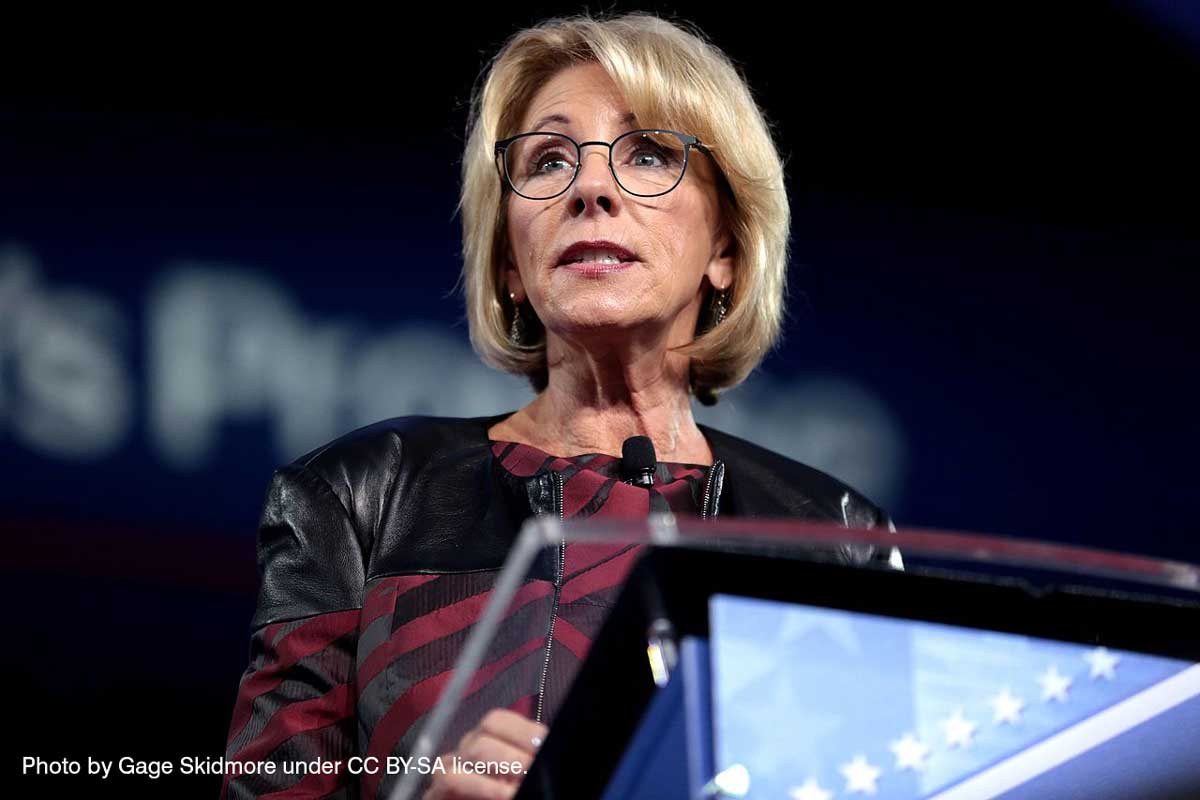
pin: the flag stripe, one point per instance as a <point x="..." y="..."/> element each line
<point x="1079" y="738"/>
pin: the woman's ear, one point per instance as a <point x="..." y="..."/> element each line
<point x="720" y="265"/>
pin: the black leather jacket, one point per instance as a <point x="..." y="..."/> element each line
<point x="377" y="553"/>
<point x="411" y="486"/>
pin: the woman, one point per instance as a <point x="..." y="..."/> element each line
<point x="625" y="228"/>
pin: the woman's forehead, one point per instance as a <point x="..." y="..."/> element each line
<point x="578" y="97"/>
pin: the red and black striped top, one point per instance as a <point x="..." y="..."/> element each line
<point x="592" y="483"/>
<point x="361" y="682"/>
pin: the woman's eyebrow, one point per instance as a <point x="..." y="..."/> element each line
<point x="555" y="118"/>
<point x="560" y="119"/>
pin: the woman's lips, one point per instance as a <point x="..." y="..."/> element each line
<point x="597" y="268"/>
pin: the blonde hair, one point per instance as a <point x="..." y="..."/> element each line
<point x="672" y="77"/>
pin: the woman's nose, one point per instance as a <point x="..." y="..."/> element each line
<point x="595" y="187"/>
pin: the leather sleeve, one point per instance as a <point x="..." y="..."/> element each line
<point x="309" y="554"/>
<point x="858" y="512"/>
<point x="296" y="700"/>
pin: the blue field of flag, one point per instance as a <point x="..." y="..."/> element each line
<point x="820" y="703"/>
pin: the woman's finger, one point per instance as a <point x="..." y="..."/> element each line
<point x="517" y="730"/>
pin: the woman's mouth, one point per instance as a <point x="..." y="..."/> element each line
<point x="596" y="257"/>
<point x="597" y="267"/>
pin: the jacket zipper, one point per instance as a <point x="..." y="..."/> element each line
<point x="558" y="581"/>
<point x="708" y="485"/>
<point x="562" y="566"/>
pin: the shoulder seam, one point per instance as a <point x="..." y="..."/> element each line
<point x="329" y="488"/>
<point x="386" y="498"/>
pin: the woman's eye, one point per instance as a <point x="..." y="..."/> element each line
<point x="651" y="157"/>
<point x="551" y="162"/>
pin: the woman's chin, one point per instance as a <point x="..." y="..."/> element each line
<point x="611" y="326"/>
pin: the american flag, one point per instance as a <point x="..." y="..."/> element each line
<point x="818" y="704"/>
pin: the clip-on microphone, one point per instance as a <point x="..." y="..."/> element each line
<point x="638" y="461"/>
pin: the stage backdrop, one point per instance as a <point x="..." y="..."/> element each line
<point x="217" y="255"/>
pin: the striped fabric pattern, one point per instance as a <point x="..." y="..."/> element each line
<point x="361" y="682"/>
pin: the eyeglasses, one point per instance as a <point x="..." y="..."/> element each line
<point x="541" y="165"/>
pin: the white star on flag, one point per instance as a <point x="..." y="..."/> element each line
<point x="811" y="790"/>
<point x="860" y="776"/>
<point x="1007" y="707"/>
<point x="1054" y="685"/>
<point x="1102" y="663"/>
<point x="959" y="729"/>
<point x="910" y="752"/>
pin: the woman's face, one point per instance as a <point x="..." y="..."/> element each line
<point x="674" y="238"/>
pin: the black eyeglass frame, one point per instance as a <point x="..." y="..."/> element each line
<point x="686" y="139"/>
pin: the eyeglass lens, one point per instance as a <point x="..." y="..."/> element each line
<point x="542" y="166"/>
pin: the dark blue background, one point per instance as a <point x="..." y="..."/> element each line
<point x="994" y="235"/>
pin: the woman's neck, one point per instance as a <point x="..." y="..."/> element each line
<point x="593" y="404"/>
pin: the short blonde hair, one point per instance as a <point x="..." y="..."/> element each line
<point x="672" y="77"/>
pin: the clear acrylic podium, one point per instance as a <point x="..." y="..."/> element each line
<point x="772" y="658"/>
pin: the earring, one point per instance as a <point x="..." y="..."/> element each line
<point x="516" y="331"/>
<point x="718" y="307"/>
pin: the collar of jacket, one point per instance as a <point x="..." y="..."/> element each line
<point x="425" y="494"/>
<point x="759" y="482"/>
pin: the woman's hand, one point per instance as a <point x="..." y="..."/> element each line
<point x="501" y="741"/>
